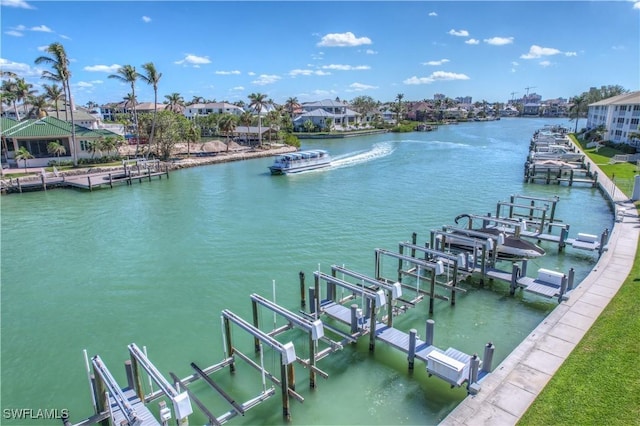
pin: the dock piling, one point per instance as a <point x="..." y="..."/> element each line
<point x="489" y="349"/>
<point x="430" y="330"/>
<point x="303" y="303"/>
<point x="412" y="347"/>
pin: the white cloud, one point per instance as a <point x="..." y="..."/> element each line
<point x="472" y="41"/>
<point x="193" y="60"/>
<point x="146" y="19"/>
<point x="103" y="68"/>
<point x="339" y="67"/>
<point x="359" y="87"/>
<point x="343" y="40"/>
<point x="14" y="33"/>
<point x="42" y="48"/>
<point x="23" y="70"/>
<point x="433" y="14"/>
<point x="16" y="3"/>
<point x="237" y="88"/>
<point x="570" y="54"/>
<point x="545" y="63"/>
<point x="322" y="92"/>
<point x="42" y="29"/>
<point x="234" y="72"/>
<point x="307" y="72"/>
<point x="251" y="73"/>
<point x="536" y="51"/>
<point x="436" y="63"/>
<point x="636" y="5"/>
<point x="499" y="41"/>
<point x="436" y="76"/>
<point x="265" y="79"/>
<point x="515" y="64"/>
<point x="84" y="84"/>
<point x="459" y="33"/>
<point x="370" y="52"/>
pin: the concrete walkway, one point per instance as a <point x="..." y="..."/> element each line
<point x="510" y="389"/>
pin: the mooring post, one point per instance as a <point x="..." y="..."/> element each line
<point x="489" y="349"/>
<point x="523" y="269"/>
<point x="515" y="271"/>
<point x="570" y="279"/>
<point x="102" y="399"/>
<point x="44" y="183"/>
<point x="354" y="318"/>
<point x="473" y="371"/>
<point x="312" y="362"/>
<point x="312" y="300"/>
<point x="285" y="389"/>
<point x="412" y="347"/>
<point x="430" y="330"/>
<point x="19" y="186"/>
<point x="302" y="289"/>
<point x="89" y="182"/>
<point x="603" y="240"/>
<point x="129" y="372"/>
<point x="372" y="325"/>
<point x="564" y="234"/>
<point x="316" y="295"/>
<point x="291" y="376"/>
<point x="229" y="344"/>
<point x="563" y="288"/>
<point x="256" y="324"/>
<point x="595" y="179"/>
<point x="432" y="291"/>
<point x="110" y="181"/>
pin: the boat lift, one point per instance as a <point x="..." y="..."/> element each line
<point x="354" y="316"/>
<point x="287" y="357"/>
<point x="394" y="290"/>
<point x="180" y="400"/>
<point x="103" y="379"/>
<point x="314" y="328"/>
<point x="433" y="268"/>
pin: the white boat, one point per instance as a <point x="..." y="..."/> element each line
<point x="300" y="161"/>
<point x="555" y="152"/>
<point x="509" y="247"/>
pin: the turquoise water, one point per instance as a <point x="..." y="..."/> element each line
<point x="155" y="264"/>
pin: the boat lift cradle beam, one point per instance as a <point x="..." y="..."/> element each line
<point x="113" y="388"/>
<point x="315" y="330"/>
<point x="394" y="291"/>
<point x="287" y="354"/>
<point x="435" y="268"/>
<point x="180" y="400"/>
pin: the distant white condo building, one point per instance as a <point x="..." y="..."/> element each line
<point x="620" y="116"/>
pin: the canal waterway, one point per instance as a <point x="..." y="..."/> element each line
<point x="156" y="263"/>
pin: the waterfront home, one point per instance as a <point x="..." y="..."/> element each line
<point x="203" y="110"/>
<point x="620" y="117"/>
<point x="36" y="134"/>
<point x="338" y="112"/>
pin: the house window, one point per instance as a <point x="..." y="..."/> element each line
<point x="623" y="107"/>
<point x="84" y="145"/>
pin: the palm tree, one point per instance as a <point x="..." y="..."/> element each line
<point x="291" y="105"/>
<point x="55" y="95"/>
<point x="23" y="154"/>
<point x="246" y="119"/>
<point x="258" y="103"/>
<point x="399" y="98"/>
<point x="196" y="100"/>
<point x="152" y="77"/>
<point x="24" y="91"/>
<point x="579" y="103"/>
<point x="128" y="74"/>
<point x="193" y="135"/>
<point x="175" y="102"/>
<point x="227" y="125"/>
<point x="56" y="148"/>
<point x="9" y="95"/>
<point x="57" y="78"/>
<point x="60" y="63"/>
<point x="39" y="105"/>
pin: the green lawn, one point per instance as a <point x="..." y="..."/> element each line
<point x="599" y="383"/>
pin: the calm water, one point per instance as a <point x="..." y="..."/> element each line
<point x="156" y="263"/>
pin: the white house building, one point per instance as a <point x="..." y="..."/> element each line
<point x="200" y="110"/>
<point x="620" y="116"/>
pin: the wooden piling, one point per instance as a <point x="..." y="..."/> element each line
<point x="302" y="289"/>
<point x="110" y="181"/>
<point x="412" y="347"/>
<point x="129" y="373"/>
<point x="44" y="182"/>
<point x="137" y="378"/>
<point x="256" y="324"/>
<point x="229" y="344"/>
<point x="284" y="385"/>
<point x="354" y="318"/>
<point x="89" y="183"/>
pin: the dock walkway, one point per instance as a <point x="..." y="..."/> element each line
<point x="510" y="389"/>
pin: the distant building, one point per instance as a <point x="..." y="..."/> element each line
<point x="620" y="116"/>
<point x="201" y="110"/>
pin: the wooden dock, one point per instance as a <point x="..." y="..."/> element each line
<point x="128" y="174"/>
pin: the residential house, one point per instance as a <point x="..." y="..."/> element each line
<point x="36" y="134"/>
<point x="620" y="116"/>
<point x="319" y="112"/>
<point x="200" y="110"/>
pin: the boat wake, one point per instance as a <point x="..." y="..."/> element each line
<point x="377" y="151"/>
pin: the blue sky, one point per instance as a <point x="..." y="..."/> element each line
<point x="317" y="50"/>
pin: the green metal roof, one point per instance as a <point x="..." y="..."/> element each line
<point x="46" y="127"/>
